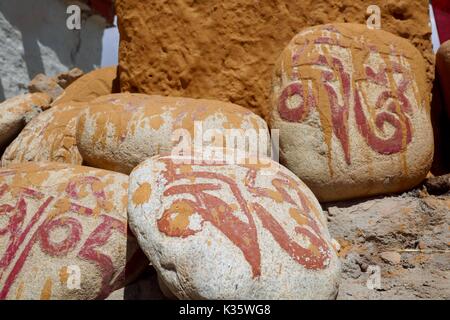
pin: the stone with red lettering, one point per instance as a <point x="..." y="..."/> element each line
<point x="119" y="131"/>
<point x="45" y="84"/>
<point x="63" y="232"/>
<point x="48" y="137"/>
<point x="222" y="230"/>
<point x="353" y="109"/>
<point x="17" y="111"/>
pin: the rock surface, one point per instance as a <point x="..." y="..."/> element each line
<point x="353" y="109"/>
<point x="16" y="112"/>
<point x="48" y="137"/>
<point x="64" y="233"/>
<point x="225" y="231"/>
<point x="226" y="50"/>
<point x="117" y="132"/>
<point x="413" y="226"/>
<point x="443" y="72"/>
<point x="144" y="288"/>
<point x="92" y="85"/>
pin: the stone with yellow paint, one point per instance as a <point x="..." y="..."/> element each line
<point x="17" y="111"/>
<point x="92" y="85"/>
<point x="119" y="131"/>
<point x="64" y="232"/>
<point x="214" y="228"/>
<point x="353" y="109"/>
<point x="48" y="137"/>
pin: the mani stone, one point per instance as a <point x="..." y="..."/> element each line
<point x="119" y="131"/>
<point x="48" y="137"/>
<point x="226" y="50"/>
<point x="94" y="84"/>
<point x="63" y="233"/>
<point x="353" y="109"/>
<point x="219" y="230"/>
<point x="17" y="111"/>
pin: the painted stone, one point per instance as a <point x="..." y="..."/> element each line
<point x="353" y="110"/>
<point x="94" y="84"/>
<point x="218" y="230"/>
<point x="48" y="137"/>
<point x="119" y="131"/>
<point x="63" y="232"/>
<point x="17" y="111"/>
<point x="226" y="50"/>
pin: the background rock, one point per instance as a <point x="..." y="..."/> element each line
<point x="62" y="218"/>
<point x="36" y="40"/>
<point x="44" y="84"/>
<point x="16" y="112"/>
<point x="92" y="85"/>
<point x="226" y="50"/>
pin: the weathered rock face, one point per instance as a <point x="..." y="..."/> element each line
<point x="226" y="49"/>
<point x="16" y="112"/>
<point x="92" y="85"/>
<point x="119" y="131"/>
<point x="225" y="231"/>
<point x="353" y="109"/>
<point x="48" y="137"/>
<point x="64" y="225"/>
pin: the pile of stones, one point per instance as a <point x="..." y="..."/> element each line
<point x="92" y="190"/>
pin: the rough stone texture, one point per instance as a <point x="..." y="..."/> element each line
<point x="59" y="219"/>
<point x="226" y="49"/>
<point x="92" y="85"/>
<point x="353" y="109"/>
<point x="119" y="131"/>
<point x="64" y="79"/>
<point x="45" y="84"/>
<point x="228" y="231"/>
<point x="414" y="225"/>
<point x="36" y="40"/>
<point x="48" y="137"/>
<point x="16" y="112"/>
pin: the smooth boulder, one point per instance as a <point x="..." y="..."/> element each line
<point x="224" y="230"/>
<point x="118" y="131"/>
<point x="63" y="233"/>
<point x="92" y="85"/>
<point x="353" y="109"/>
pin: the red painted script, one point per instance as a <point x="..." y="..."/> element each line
<point x="242" y="234"/>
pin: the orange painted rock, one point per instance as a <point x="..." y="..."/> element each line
<point x="94" y="84"/>
<point x="119" y="131"/>
<point x="353" y="110"/>
<point x="229" y="231"/>
<point x="63" y="232"/>
<point x="17" y="111"/>
<point x="48" y="137"/>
